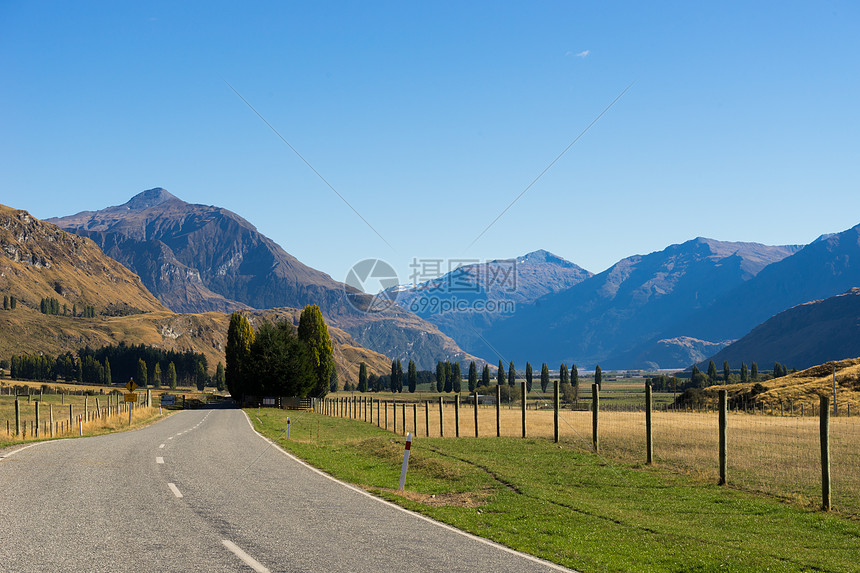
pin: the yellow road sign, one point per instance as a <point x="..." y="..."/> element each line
<point x="131" y="386"/>
<point x="130" y="397"/>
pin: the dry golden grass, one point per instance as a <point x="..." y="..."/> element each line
<point x="775" y="455"/>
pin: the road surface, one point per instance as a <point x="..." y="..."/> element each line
<point x="202" y="491"/>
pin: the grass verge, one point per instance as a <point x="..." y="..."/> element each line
<point x="576" y="509"/>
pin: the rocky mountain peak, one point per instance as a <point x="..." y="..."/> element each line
<point x="149" y="198"/>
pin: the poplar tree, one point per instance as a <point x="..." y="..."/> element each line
<point x="754" y="371"/>
<point x="574" y="381"/>
<point x="501" y="374"/>
<point x="456" y="377"/>
<point x="529" y="376"/>
<point x="412" y="376"/>
<point x="745" y="375"/>
<point x="440" y="376"/>
<point x="240" y="336"/>
<point x="220" y="381"/>
<point x="171" y="375"/>
<point x="512" y="375"/>
<point x="563" y="376"/>
<point x="598" y="376"/>
<point x="485" y="376"/>
<point x="544" y="377"/>
<point x="362" y="377"/>
<point x="727" y="372"/>
<point x="473" y="376"/>
<point x="449" y="377"/>
<point x="140" y="375"/>
<point x="314" y="333"/>
<point x="712" y="371"/>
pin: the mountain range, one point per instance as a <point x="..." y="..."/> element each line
<point x="199" y="258"/>
<point x="38" y="260"/>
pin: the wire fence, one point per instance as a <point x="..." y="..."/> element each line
<point x="776" y="451"/>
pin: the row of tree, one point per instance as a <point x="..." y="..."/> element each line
<point x="279" y="359"/>
<point x="50" y="305"/>
<point x="698" y="379"/>
<point x="148" y="366"/>
<point x="9" y="302"/>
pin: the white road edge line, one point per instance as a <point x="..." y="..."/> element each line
<point x="174" y="489"/>
<point x="13" y="452"/>
<point x="531" y="558"/>
<point x="159" y="460"/>
<point x="247" y="559"/>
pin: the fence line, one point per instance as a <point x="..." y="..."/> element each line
<point x="773" y="450"/>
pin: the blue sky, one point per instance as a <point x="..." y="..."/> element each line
<point x="430" y="118"/>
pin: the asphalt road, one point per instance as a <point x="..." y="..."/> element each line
<point x="202" y="491"/>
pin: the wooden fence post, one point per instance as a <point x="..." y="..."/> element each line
<point x="457" y="414"/>
<point x="385" y="404"/>
<point x="649" y="436"/>
<point x="556" y="402"/>
<point x="825" y="453"/>
<point x="51" y="410"/>
<point x="595" y="411"/>
<point x="403" y="420"/>
<point x="723" y="436"/>
<point x="426" y="419"/>
<point x="394" y="413"/>
<point x="71" y="417"/>
<point x="38" y="419"/>
<point x="476" y="413"/>
<point x="17" y="416"/>
<point x="441" y="419"/>
<point x="498" y="411"/>
<point x="415" y="418"/>
<point x="523" y="390"/>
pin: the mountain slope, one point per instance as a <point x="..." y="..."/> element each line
<point x="197" y="258"/>
<point x="468" y="301"/>
<point x="824" y="268"/>
<point x="631" y="303"/>
<point x="802" y="336"/>
<point x="39" y="260"/>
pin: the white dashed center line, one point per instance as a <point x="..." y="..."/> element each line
<point x="161" y="446"/>
<point x="174" y="489"/>
<point x="159" y="460"/>
<point x="247" y="559"/>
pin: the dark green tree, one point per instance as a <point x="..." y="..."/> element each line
<point x="529" y="376"/>
<point x="754" y="371"/>
<point x="727" y="372"/>
<point x="393" y="377"/>
<point x="171" y="375"/>
<point x="501" y="374"/>
<point x="282" y="364"/>
<point x="712" y="371"/>
<point x="598" y="376"/>
<point x="449" y="377"/>
<point x="108" y="377"/>
<point x="485" y="375"/>
<point x="5" y="302"/>
<point x="200" y="377"/>
<point x="362" y="377"/>
<point x="220" y="380"/>
<point x="473" y="376"/>
<point x="563" y="375"/>
<point x="157" y="376"/>
<point x="440" y="376"/>
<point x="456" y="377"/>
<point x="745" y="375"/>
<point x="412" y="376"/>
<point x="240" y="337"/>
<point x="512" y="374"/>
<point x="544" y="377"/>
<point x="574" y="381"/>
<point x="314" y="333"/>
<point x="141" y="374"/>
<point x="13" y="302"/>
<point x="332" y="381"/>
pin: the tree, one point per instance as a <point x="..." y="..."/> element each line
<point x="512" y="374"/>
<point x="171" y="376"/>
<point x="727" y="372"/>
<point x="399" y="376"/>
<point x="501" y="374"/>
<point x="412" y="376"/>
<point x="563" y="376"/>
<point x="529" y="376"/>
<point x="778" y="370"/>
<point x="240" y="336"/>
<point x="141" y="375"/>
<point x="332" y="381"/>
<point x="473" y="376"/>
<point x="698" y="379"/>
<point x="13" y="302"/>
<point x="200" y="377"/>
<point x="598" y="376"/>
<point x="220" y="380"/>
<point x="544" y="377"/>
<point x="362" y="377"/>
<point x="157" y="375"/>
<point x="712" y="371"/>
<point x="456" y="378"/>
<point x="5" y="302"/>
<point x="314" y="333"/>
<point x="485" y="375"/>
<point x="108" y="378"/>
<point x="574" y="381"/>
<point x="754" y="371"/>
<point x="281" y="363"/>
<point x="745" y="375"/>
<point x="449" y="377"/>
<point x="440" y="376"/>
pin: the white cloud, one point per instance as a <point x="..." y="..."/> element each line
<point x="582" y="54"/>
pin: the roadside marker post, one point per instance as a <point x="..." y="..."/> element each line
<point x="288" y="428"/>
<point x="405" y="461"/>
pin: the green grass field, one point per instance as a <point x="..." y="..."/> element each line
<point x="577" y="509"/>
